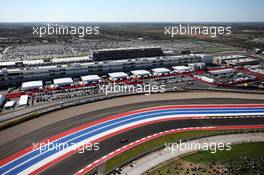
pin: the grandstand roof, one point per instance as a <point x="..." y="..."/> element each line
<point x="32" y="62"/>
<point x="127" y="48"/>
<point x="70" y="59"/>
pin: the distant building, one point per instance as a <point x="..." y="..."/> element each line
<point x="196" y="66"/>
<point x="207" y="59"/>
<point x="18" y="64"/>
<point x="222" y="71"/>
<point x="15" y="77"/>
<point x="71" y="60"/>
<point x="126" y="53"/>
<point x="222" y="59"/>
<point x="242" y="62"/>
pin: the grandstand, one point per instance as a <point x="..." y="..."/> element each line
<point x="15" y="77"/>
<point x="126" y="53"/>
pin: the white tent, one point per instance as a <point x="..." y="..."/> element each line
<point x="159" y="71"/>
<point x="63" y="81"/>
<point x="139" y="73"/>
<point x="117" y="75"/>
<point x="31" y="85"/>
<point x="90" y="78"/>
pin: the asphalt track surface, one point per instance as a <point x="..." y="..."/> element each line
<point x="195" y="97"/>
<point x="77" y="161"/>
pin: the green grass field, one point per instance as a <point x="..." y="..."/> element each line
<point x="254" y="150"/>
<point x="154" y="144"/>
<point x="222" y="162"/>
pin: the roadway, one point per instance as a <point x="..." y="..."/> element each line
<point x="48" y="123"/>
<point x="77" y="161"/>
<point x="34" y="161"/>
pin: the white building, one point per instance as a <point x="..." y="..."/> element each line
<point x="207" y="59"/>
<point x="222" y="71"/>
<point x="196" y="66"/>
<point x="31" y="85"/>
<point x="33" y="62"/>
<point x="140" y="73"/>
<point x="63" y="81"/>
<point x="223" y="59"/>
<point x="242" y="62"/>
<point x="71" y="59"/>
<point x="160" y="71"/>
<point x="181" y="69"/>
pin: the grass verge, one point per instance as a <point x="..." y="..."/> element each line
<point x="243" y="159"/>
<point x="156" y="144"/>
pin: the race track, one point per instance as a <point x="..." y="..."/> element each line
<point x="160" y="118"/>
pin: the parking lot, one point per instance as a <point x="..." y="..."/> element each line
<point x="62" y="94"/>
<point x="233" y="78"/>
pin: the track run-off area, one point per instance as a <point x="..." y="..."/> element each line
<point x="32" y="161"/>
